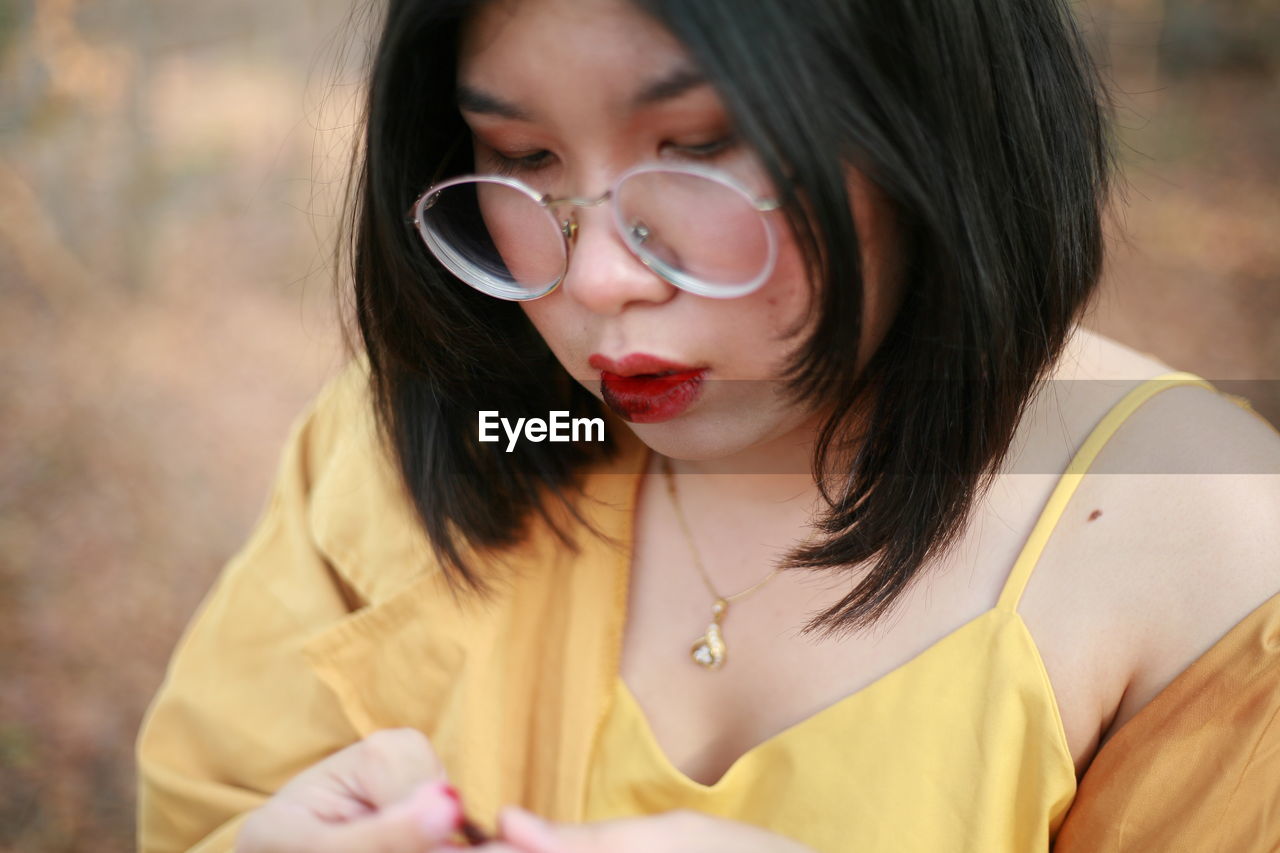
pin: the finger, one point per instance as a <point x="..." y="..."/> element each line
<point x="532" y="834"/>
<point x="388" y="765"/>
<point x="661" y="832"/>
<point x="420" y="822"/>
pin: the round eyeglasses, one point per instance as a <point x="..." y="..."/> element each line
<point x="697" y="228"/>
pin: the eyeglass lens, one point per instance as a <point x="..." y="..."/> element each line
<point x="691" y="229"/>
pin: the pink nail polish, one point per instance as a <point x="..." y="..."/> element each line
<point x="443" y="814"/>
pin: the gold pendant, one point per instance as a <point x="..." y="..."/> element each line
<point x="709" y="650"/>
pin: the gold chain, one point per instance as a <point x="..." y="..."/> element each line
<point x="708" y="650"/>
<point x="697" y="559"/>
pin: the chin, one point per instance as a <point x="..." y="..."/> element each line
<point x="705" y="437"/>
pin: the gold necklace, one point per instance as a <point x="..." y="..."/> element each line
<point x="709" y="650"/>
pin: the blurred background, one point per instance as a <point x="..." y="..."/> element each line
<point x="170" y="174"/>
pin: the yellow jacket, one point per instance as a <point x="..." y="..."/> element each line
<point x="333" y="622"/>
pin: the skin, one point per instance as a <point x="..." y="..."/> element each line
<point x="574" y="139"/>
<point x="1121" y="600"/>
<point x="1105" y="664"/>
<point x="386" y="792"/>
<point x="566" y="138"/>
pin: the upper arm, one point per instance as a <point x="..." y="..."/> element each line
<point x="1189" y="763"/>
<point x="1175" y="533"/>
<point x="1197" y="480"/>
<point x="239" y="712"/>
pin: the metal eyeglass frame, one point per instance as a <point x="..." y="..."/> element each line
<point x="568" y="228"/>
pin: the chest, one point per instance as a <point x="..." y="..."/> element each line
<point x="775" y="677"/>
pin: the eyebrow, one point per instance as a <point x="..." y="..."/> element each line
<point x="672" y="85"/>
<point x="473" y="100"/>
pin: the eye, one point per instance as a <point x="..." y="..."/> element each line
<point x="705" y="150"/>
<point x="510" y="164"/>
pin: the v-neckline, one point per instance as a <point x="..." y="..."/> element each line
<point x="813" y="720"/>
<point x="1007" y="602"/>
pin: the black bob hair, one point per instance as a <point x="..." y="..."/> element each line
<point x="983" y="124"/>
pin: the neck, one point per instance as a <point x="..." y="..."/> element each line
<point x="772" y="479"/>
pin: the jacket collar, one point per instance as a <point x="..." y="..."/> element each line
<point x="363" y="520"/>
<point x="510" y="688"/>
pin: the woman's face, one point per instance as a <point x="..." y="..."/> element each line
<point x="566" y="95"/>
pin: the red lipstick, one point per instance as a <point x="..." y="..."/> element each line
<point x="645" y="389"/>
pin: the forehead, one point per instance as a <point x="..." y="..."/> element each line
<point x="539" y="53"/>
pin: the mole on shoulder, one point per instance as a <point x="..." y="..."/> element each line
<point x="1095" y="514"/>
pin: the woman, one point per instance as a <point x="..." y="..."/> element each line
<point x="810" y="267"/>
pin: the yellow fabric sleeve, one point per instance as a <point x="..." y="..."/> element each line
<point x="1198" y="769"/>
<point x="239" y="713"/>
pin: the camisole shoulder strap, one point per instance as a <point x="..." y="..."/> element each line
<point x="1074" y="474"/>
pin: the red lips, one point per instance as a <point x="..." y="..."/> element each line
<point x="646" y="389"/>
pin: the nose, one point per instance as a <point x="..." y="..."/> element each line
<point x="604" y="275"/>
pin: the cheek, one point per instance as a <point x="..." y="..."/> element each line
<point x="882" y="292"/>
<point x="786" y="300"/>
<point x="543" y="317"/>
<point x="787" y="297"/>
<point x="756" y="335"/>
<point x="555" y="321"/>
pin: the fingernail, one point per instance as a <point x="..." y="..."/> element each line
<point x="439" y="812"/>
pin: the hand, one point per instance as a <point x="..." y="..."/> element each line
<point x="672" y="832"/>
<point x="384" y="794"/>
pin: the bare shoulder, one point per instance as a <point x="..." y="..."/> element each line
<point x="1093" y="356"/>
<point x="1188" y="491"/>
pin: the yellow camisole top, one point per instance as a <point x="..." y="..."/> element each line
<point x="959" y="749"/>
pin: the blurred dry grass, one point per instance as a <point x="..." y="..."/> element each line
<point x="165" y="222"/>
<point x="164" y="226"/>
<point x="1194" y="270"/>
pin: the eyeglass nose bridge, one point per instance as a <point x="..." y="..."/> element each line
<point x="569" y="226"/>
